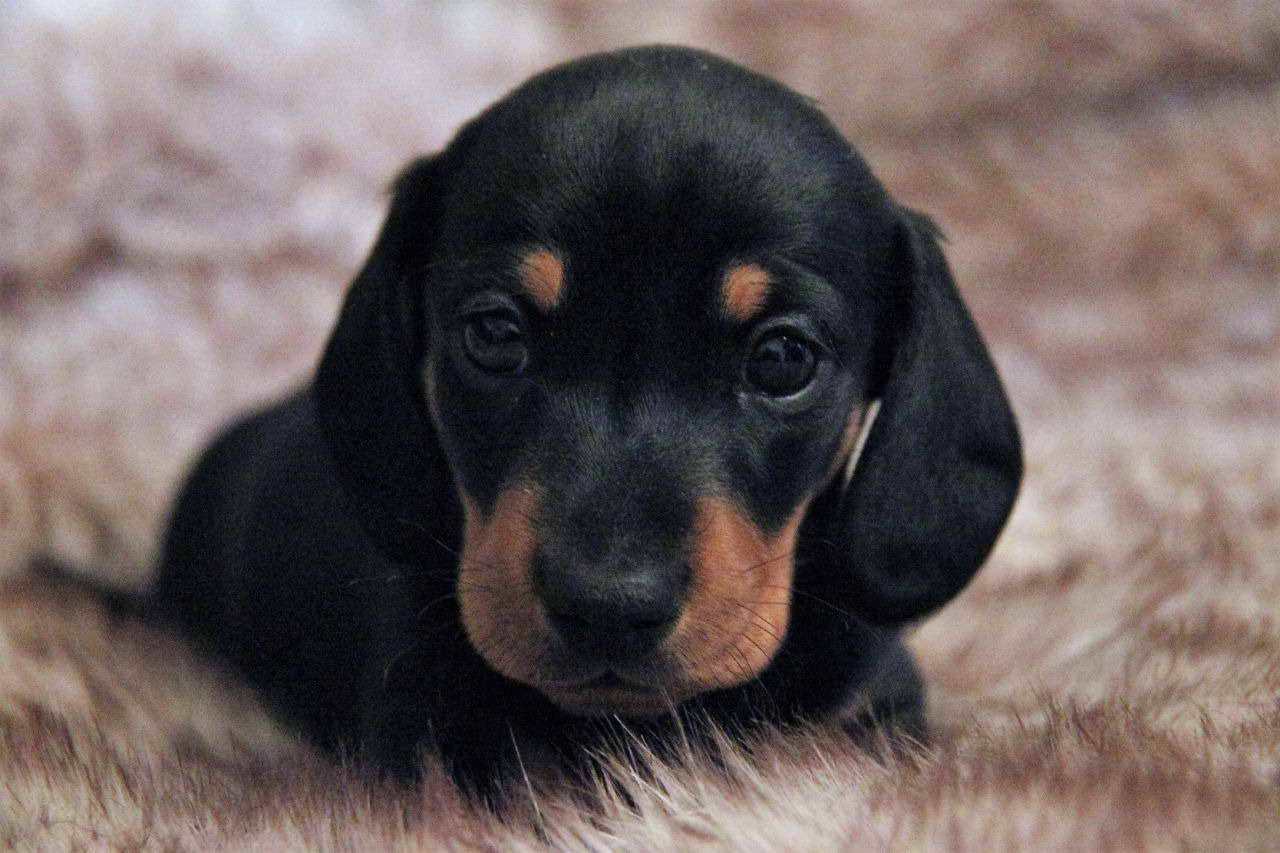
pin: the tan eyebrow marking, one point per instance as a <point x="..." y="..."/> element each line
<point x="744" y="290"/>
<point x="542" y="277"/>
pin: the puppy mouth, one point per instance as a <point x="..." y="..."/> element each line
<point x="610" y="694"/>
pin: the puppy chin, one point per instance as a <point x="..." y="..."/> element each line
<point x="609" y="695"/>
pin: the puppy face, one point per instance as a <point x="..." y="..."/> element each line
<point x="618" y="340"/>
<point x="646" y="361"/>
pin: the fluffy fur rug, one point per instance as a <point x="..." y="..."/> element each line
<point x="184" y="193"/>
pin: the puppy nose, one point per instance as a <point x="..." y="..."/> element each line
<point x="612" y="616"/>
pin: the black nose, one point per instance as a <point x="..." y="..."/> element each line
<point x="612" y="615"/>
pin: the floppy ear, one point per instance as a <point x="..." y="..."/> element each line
<point x="368" y="390"/>
<point x="941" y="464"/>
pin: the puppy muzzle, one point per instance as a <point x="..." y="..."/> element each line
<point x="613" y="613"/>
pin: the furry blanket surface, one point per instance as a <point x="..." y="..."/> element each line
<point x="185" y="190"/>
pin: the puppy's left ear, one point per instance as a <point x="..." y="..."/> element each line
<point x="368" y="390"/>
<point x="941" y="463"/>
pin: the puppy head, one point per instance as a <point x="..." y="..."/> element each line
<point x="629" y="322"/>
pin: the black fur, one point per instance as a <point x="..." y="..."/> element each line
<point x="316" y="545"/>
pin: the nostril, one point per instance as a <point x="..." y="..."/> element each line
<point x="608" y="612"/>
<point x="616" y="636"/>
<point x="645" y="634"/>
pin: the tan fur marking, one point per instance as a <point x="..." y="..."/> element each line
<point x="848" y="441"/>
<point x="740" y="602"/>
<point x="500" y="611"/>
<point x="743" y="291"/>
<point x="542" y="276"/>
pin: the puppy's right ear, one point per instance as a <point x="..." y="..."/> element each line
<point x="368" y="390"/>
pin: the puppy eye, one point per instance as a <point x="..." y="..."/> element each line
<point x="781" y="365"/>
<point x="495" y="342"/>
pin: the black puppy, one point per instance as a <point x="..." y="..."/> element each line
<point x="583" y="441"/>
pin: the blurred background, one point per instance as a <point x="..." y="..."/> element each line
<point x="186" y="189"/>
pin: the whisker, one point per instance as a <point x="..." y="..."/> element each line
<point x="761" y="622"/>
<point x="766" y="655"/>
<point x="430" y="604"/>
<point x="754" y="566"/>
<point x="394" y="577"/>
<point x="820" y="600"/>
<point x="435" y="540"/>
<point x="745" y="670"/>
<point x="396" y="659"/>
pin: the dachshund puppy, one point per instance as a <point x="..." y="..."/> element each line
<point x="592" y="439"/>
